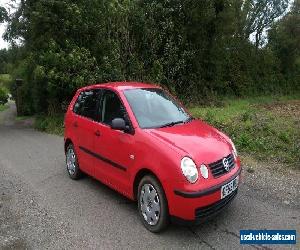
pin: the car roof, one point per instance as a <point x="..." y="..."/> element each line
<point x="121" y="85"/>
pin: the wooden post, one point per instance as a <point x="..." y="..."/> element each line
<point x="18" y="98"/>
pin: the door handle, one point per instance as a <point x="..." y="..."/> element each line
<point x="75" y="124"/>
<point x="97" y="133"/>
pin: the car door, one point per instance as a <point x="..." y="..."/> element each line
<point x="86" y="127"/>
<point x="115" y="149"/>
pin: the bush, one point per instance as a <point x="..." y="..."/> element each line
<point x="50" y="124"/>
<point x="3" y="97"/>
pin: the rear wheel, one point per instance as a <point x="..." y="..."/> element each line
<point x="152" y="204"/>
<point x="72" y="163"/>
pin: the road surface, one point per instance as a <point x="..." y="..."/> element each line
<point x="41" y="207"/>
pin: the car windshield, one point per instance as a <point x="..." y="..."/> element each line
<point x="154" y="108"/>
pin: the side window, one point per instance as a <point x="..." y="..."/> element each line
<point x="112" y="108"/>
<point x="86" y="104"/>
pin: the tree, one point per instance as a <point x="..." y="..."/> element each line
<point x="260" y="15"/>
<point x="284" y="40"/>
<point x="3" y="14"/>
<point x="197" y="49"/>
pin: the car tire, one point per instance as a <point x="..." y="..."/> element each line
<point x="152" y="204"/>
<point x="72" y="163"/>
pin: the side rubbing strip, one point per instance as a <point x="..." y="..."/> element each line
<point x="99" y="157"/>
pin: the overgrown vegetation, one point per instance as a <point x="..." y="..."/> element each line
<point x="50" y="124"/>
<point x="3" y="97"/>
<point x="267" y="128"/>
<point x="4" y="88"/>
<point x="5" y="82"/>
<point x="197" y="49"/>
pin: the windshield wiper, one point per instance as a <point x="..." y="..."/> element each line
<point x="189" y="119"/>
<point x="171" y="124"/>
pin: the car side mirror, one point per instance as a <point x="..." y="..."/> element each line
<point x="119" y="124"/>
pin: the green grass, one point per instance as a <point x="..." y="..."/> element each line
<point x="50" y="124"/>
<point x="22" y="118"/>
<point x="257" y="129"/>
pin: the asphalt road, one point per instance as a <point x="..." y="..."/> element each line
<point x="40" y="207"/>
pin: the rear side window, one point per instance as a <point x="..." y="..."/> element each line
<point x="87" y="104"/>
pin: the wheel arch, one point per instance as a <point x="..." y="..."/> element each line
<point x="139" y="176"/>
<point x="68" y="141"/>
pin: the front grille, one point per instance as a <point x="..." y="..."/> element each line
<point x="214" y="208"/>
<point x="217" y="168"/>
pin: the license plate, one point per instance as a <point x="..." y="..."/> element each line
<point x="228" y="188"/>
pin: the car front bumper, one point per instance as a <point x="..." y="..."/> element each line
<point x="198" y="206"/>
<point x="203" y="214"/>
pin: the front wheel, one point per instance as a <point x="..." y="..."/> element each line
<point x="72" y="163"/>
<point x="152" y="204"/>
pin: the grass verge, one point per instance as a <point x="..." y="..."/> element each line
<point x="266" y="128"/>
<point x="50" y="124"/>
<point x="22" y="118"/>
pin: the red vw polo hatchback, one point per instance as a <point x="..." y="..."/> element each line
<point x="137" y="139"/>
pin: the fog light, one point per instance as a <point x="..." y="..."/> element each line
<point x="204" y="171"/>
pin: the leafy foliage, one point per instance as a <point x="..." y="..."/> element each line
<point x="3" y="97"/>
<point x="50" y="124"/>
<point x="260" y="15"/>
<point x="3" y="14"/>
<point x="4" y="86"/>
<point x="197" y="49"/>
<point x="284" y="40"/>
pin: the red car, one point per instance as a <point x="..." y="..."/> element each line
<point x="137" y="139"/>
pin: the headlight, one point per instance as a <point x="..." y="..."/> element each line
<point x="189" y="169"/>
<point x="233" y="150"/>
